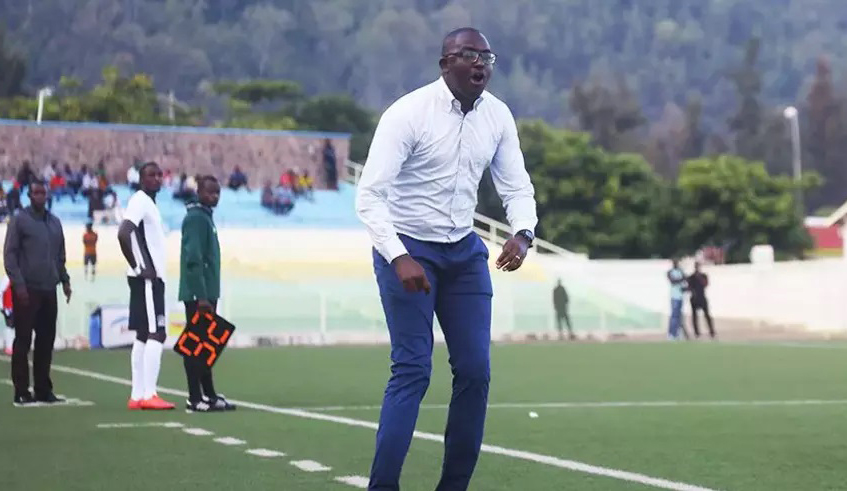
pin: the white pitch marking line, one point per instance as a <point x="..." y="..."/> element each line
<point x="197" y="431"/>
<point x="228" y="440"/>
<point x="68" y="401"/>
<point x="838" y="345"/>
<point x="310" y="466"/>
<point x="139" y="425"/>
<point x="355" y="481"/>
<point x="518" y="454"/>
<point x="609" y="404"/>
<point x="264" y="452"/>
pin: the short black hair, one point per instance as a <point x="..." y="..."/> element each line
<point x="204" y="180"/>
<point x="37" y="182"/>
<point x="452" y="35"/>
<point x="146" y="165"/>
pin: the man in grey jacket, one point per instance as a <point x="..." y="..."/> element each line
<point x="34" y="257"/>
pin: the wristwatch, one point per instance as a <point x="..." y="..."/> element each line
<point x="526" y="234"/>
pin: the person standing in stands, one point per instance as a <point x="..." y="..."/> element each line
<point x="34" y="257"/>
<point x="13" y="199"/>
<point x="417" y="197"/>
<point x="330" y="165"/>
<point x="697" y="283"/>
<point x="26" y="175"/>
<point x="200" y="287"/>
<point x="89" y="243"/>
<point x="561" y="305"/>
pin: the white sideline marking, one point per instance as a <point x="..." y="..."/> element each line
<point x="310" y="466"/>
<point x="610" y="404"/>
<point x="355" y="481"/>
<point x="68" y="401"/>
<point x="518" y="454"/>
<point x="264" y="452"/>
<point x="197" y="431"/>
<point x="228" y="440"/>
<point x="138" y="425"/>
<point x="839" y="345"/>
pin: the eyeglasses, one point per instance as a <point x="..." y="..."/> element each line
<point x="472" y="56"/>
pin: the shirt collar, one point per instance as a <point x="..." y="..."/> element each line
<point x="450" y="101"/>
<point x="197" y="204"/>
<point x="45" y="216"/>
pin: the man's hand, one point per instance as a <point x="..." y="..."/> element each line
<point x="204" y="306"/>
<point x="514" y="252"/>
<point x="66" y="287"/>
<point x="411" y="274"/>
<point x="147" y="274"/>
<point x="21" y="297"/>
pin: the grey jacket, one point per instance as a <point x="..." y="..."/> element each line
<point x="34" y="253"/>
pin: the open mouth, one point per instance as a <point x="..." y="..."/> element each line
<point x="478" y="78"/>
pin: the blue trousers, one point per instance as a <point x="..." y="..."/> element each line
<point x="461" y="298"/>
<point x="676" y="317"/>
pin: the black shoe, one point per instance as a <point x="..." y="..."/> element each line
<point x="24" y="399"/>
<point x="221" y="404"/>
<point x="49" y="398"/>
<point x="199" y="407"/>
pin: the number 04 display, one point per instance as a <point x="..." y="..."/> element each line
<point x="204" y="338"/>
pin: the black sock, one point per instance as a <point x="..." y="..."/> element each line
<point x="206" y="382"/>
<point x="192" y="374"/>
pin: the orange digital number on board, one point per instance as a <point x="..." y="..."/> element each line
<point x="211" y="332"/>
<point x="211" y="347"/>
<point x="213" y="355"/>
<point x="181" y="342"/>
<point x="215" y="339"/>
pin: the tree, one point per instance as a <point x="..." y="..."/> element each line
<point x="12" y="69"/>
<point x="610" y="115"/>
<point x="825" y="132"/>
<point x="265" y="27"/>
<point x="733" y="203"/>
<point x="260" y="104"/>
<point x="695" y="139"/>
<point x="667" y="141"/>
<point x="746" y="124"/>
<point x="117" y="99"/>
<point x="589" y="200"/>
<point x="339" y="113"/>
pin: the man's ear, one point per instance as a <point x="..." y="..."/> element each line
<point x="444" y="64"/>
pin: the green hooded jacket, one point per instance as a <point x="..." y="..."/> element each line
<point x="200" y="256"/>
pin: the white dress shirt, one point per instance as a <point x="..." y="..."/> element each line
<point x="425" y="162"/>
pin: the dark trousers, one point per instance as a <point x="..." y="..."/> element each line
<point x="461" y="298"/>
<point x="39" y="316"/>
<point x="701" y="304"/>
<point x="197" y="373"/>
<point x="562" y="315"/>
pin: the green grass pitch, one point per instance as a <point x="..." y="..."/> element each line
<point x="714" y="416"/>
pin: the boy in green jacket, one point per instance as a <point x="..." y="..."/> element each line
<point x="200" y="287"/>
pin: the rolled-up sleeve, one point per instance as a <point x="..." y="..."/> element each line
<point x="511" y="179"/>
<point x="390" y="147"/>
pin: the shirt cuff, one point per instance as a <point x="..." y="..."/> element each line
<point x="517" y="227"/>
<point x="392" y="249"/>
